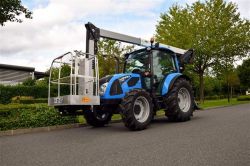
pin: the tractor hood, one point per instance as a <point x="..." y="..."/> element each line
<point x="117" y="85"/>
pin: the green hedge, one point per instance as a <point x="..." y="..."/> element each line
<point x="33" y="101"/>
<point x="15" y="116"/>
<point x="214" y="97"/>
<point x="30" y="101"/>
<point x="217" y="97"/>
<point x="244" y="98"/>
<point x="8" y="92"/>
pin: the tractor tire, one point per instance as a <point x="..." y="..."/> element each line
<point x="98" y="117"/>
<point x="137" y="110"/>
<point x="179" y="102"/>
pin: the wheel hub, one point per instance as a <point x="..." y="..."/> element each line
<point x="101" y="115"/>
<point x="184" y="99"/>
<point x="141" y="109"/>
<point x="137" y="109"/>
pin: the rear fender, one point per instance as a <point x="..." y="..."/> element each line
<point x="169" y="82"/>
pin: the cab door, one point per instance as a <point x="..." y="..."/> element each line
<point x="163" y="63"/>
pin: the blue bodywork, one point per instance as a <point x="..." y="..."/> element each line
<point x="124" y="85"/>
<point x="168" y="81"/>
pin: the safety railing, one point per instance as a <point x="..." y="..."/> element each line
<point x="74" y="73"/>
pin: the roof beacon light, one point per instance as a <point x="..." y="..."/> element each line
<point x="152" y="40"/>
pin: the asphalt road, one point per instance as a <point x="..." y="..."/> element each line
<point x="213" y="137"/>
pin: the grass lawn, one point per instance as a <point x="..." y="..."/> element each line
<point x="221" y="102"/>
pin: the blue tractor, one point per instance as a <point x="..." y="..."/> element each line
<point x="151" y="80"/>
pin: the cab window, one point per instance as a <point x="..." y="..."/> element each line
<point x="163" y="64"/>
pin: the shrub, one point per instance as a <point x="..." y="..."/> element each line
<point x="33" y="101"/>
<point x="17" y="99"/>
<point x="7" y="92"/>
<point x="36" y="91"/>
<point x="14" y="116"/>
<point x="244" y="98"/>
<point x="28" y="100"/>
<point x="214" y="97"/>
<point x="29" y="82"/>
<point x="223" y="96"/>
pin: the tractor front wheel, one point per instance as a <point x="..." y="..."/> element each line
<point x="98" y="117"/>
<point x="136" y="110"/>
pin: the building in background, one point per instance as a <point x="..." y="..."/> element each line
<point x="12" y="75"/>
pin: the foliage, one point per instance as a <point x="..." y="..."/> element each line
<point x="65" y="71"/>
<point x="25" y="116"/>
<point x="244" y="73"/>
<point x="214" y="97"/>
<point x="108" y="51"/>
<point x="213" y="28"/>
<point x="28" y="100"/>
<point x="42" y="82"/>
<point x="29" y="82"/>
<point x="64" y="75"/>
<point x="33" y="101"/>
<point x="212" y="86"/>
<point x="244" y="98"/>
<point x="7" y="92"/>
<point x="11" y="9"/>
<point x="233" y="79"/>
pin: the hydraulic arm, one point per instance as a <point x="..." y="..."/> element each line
<point x="94" y="34"/>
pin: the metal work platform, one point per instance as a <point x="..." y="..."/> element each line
<point x="74" y="80"/>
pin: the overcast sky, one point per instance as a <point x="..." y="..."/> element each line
<point x="58" y="26"/>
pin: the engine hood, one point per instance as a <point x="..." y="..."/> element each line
<point x="115" y="86"/>
<point x="121" y="76"/>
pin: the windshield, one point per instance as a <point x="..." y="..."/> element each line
<point x="137" y="61"/>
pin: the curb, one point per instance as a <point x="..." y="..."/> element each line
<point x="39" y="129"/>
<point x="44" y="129"/>
<point x="210" y="108"/>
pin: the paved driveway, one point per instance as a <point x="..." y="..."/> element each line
<point x="213" y="137"/>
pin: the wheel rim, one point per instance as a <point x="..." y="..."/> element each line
<point x="101" y="115"/>
<point x="141" y="109"/>
<point x="184" y="99"/>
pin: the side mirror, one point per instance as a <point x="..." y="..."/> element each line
<point x="187" y="57"/>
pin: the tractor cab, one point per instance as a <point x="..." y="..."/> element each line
<point x="153" y="64"/>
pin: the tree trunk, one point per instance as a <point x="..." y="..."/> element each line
<point x="228" y="90"/>
<point x="231" y="95"/>
<point x="201" y="87"/>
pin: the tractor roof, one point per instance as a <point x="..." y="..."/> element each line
<point x="174" y="49"/>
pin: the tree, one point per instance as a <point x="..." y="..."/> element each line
<point x="213" y="28"/>
<point x="109" y="51"/>
<point x="11" y="9"/>
<point x="65" y="71"/>
<point x="244" y="73"/>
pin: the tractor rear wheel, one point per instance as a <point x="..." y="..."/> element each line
<point x="180" y="101"/>
<point x="137" y="110"/>
<point x="98" y="117"/>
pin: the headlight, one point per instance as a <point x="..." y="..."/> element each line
<point x="103" y="88"/>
